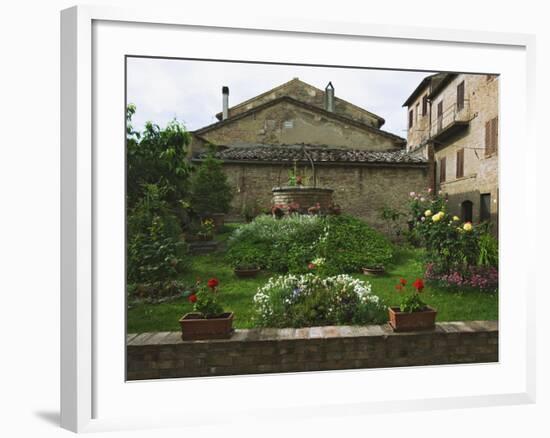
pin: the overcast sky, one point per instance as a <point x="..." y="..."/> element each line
<point x="190" y="91"/>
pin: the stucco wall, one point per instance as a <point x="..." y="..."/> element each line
<point x="361" y="190"/>
<point x="285" y="123"/>
<point x="306" y="93"/>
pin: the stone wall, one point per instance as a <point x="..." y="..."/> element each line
<point x="165" y="355"/>
<point x="361" y="190"/>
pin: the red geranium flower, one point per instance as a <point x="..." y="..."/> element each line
<point x="212" y="283"/>
<point x="192" y="298"/>
<point x="403" y="281"/>
<point x="311" y="266"/>
<point x="418" y="284"/>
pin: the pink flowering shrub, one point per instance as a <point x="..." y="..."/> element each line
<point x="479" y="277"/>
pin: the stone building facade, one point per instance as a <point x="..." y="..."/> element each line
<point x="333" y="143"/>
<point x="453" y="120"/>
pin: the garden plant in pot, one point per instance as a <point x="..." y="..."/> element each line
<point x="206" y="230"/>
<point x="374" y="270"/>
<point x="246" y="265"/>
<point x="208" y="320"/>
<point x="412" y="314"/>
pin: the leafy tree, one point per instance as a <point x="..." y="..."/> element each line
<point x="157" y="176"/>
<point x="157" y="156"/>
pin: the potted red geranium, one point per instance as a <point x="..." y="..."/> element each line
<point x="208" y="320"/>
<point x="413" y="313"/>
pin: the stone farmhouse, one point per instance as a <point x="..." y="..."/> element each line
<point x="333" y="143"/>
<point x="453" y="120"/>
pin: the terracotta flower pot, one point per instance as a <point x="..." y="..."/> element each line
<point x="246" y="272"/>
<point x="219" y="220"/>
<point x="413" y="321"/>
<point x="378" y="270"/>
<point x="194" y="326"/>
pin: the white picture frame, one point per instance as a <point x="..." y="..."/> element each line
<point x="85" y="377"/>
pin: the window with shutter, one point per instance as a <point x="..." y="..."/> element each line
<point x="460" y="96"/>
<point x="491" y="136"/>
<point x="460" y="163"/>
<point x="495" y="134"/>
<point x="442" y="170"/>
<point x="410" y="119"/>
<point x="440" y="116"/>
<point x="425" y="105"/>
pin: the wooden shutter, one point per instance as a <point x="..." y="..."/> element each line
<point x="442" y="170"/>
<point x="488" y="145"/>
<point x="460" y="163"/>
<point x="425" y="105"/>
<point x="460" y="96"/>
<point x="491" y="136"/>
<point x="440" y="116"/>
<point x="495" y="134"/>
<point x="410" y="118"/>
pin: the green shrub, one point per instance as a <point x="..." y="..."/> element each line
<point x="311" y="300"/>
<point x="210" y="191"/>
<point x="348" y="244"/>
<point x="488" y="250"/>
<point x="155" y="252"/>
<point x="290" y="244"/>
<point x="279" y="245"/>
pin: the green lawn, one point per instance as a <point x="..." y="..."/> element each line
<point x="237" y="293"/>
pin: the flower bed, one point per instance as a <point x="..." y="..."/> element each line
<point x="308" y="300"/>
<point x="484" y="278"/>
<point x="458" y="254"/>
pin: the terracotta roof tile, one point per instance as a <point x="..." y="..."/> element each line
<point x="319" y="154"/>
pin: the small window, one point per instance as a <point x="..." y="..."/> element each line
<point x="485" y="207"/>
<point x="425" y="105"/>
<point x="491" y="136"/>
<point x="460" y="96"/>
<point x="410" y="119"/>
<point x="460" y="163"/>
<point x="467" y="211"/>
<point x="442" y="170"/>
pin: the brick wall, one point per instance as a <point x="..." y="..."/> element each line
<point x="360" y="190"/>
<point x="165" y="355"/>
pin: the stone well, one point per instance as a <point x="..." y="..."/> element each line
<point x="303" y="195"/>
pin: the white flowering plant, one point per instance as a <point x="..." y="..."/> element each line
<point x="311" y="300"/>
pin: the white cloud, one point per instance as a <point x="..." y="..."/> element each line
<point x="190" y="91"/>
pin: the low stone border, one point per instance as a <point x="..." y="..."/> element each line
<point x="164" y="354"/>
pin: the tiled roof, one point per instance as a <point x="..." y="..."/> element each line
<point x="318" y="154"/>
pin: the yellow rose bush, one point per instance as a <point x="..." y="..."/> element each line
<point x="459" y="254"/>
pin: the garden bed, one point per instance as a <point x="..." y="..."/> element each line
<point x="452" y="305"/>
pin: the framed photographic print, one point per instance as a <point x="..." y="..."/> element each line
<point x="334" y="214"/>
